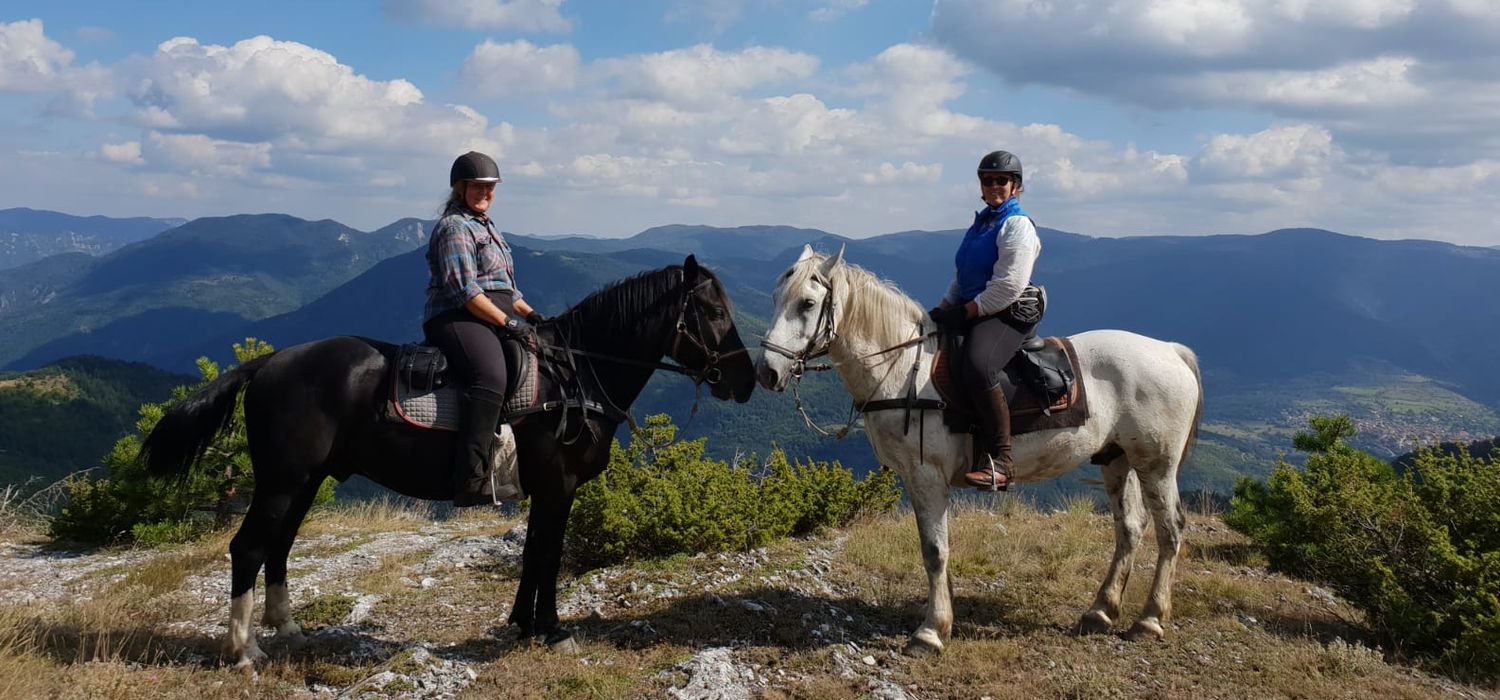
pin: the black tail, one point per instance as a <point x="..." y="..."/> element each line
<point x="182" y="435"/>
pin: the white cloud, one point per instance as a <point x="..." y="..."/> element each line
<point x="31" y="62"/>
<point x="702" y="74"/>
<point x="907" y="172"/>
<point x="198" y="155"/>
<point x="834" y="9"/>
<point x="520" y="67"/>
<point x="293" y="96"/>
<point x="514" y="15"/>
<point x="128" y="153"/>
<point x="1290" y="151"/>
<point x="1373" y="71"/>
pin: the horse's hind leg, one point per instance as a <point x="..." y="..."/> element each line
<point x="1159" y="489"/>
<point x="1124" y="490"/>
<point x="278" y="602"/>
<point x="247" y="553"/>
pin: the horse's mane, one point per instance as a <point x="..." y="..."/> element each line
<point x="633" y="307"/>
<point x="873" y="309"/>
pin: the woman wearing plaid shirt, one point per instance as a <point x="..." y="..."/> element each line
<point x="471" y="293"/>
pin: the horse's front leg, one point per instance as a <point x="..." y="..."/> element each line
<point x="928" y="488"/>
<point x="555" y="517"/>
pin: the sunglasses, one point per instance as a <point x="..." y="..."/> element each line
<point x="993" y="180"/>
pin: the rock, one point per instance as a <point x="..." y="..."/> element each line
<point x="713" y="674"/>
<point x="868" y="660"/>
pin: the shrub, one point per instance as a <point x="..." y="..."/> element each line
<point x="1418" y="551"/>
<point x="128" y="506"/>
<point x="661" y="496"/>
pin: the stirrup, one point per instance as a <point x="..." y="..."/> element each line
<point x="994" y="473"/>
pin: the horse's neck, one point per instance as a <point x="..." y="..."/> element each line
<point x="622" y="382"/>
<point x="865" y="373"/>
<point x="869" y="375"/>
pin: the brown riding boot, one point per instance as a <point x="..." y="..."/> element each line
<point x="994" y="430"/>
<point x="479" y="416"/>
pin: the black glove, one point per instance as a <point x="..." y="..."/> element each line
<point x="535" y="318"/>
<point x="515" y="325"/>
<point x="954" y="316"/>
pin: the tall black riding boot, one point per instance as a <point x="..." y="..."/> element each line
<point x="479" y="415"/>
<point x="994" y="473"/>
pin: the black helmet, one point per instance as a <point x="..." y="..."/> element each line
<point x="474" y="166"/>
<point x="1001" y="162"/>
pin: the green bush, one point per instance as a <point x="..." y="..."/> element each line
<point x="1418" y="552"/>
<point x="127" y="506"/>
<point x="661" y="496"/>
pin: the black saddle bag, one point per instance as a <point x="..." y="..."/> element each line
<point x="422" y="367"/>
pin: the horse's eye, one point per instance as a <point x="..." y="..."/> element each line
<point x="808" y="304"/>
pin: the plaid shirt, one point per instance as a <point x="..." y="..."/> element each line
<point x="466" y="257"/>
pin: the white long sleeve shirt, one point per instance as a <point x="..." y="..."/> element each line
<point x="1019" y="247"/>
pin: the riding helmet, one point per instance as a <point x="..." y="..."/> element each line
<point x="1001" y="162"/>
<point x="473" y="166"/>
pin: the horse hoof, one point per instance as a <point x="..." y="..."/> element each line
<point x="1145" y="631"/>
<point x="1094" y="622"/>
<point x="563" y="644"/>
<point x="249" y="659"/>
<point x="917" y="646"/>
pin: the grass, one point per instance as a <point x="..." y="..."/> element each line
<point x="1021" y="577"/>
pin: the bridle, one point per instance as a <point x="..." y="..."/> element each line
<point x="819" y="344"/>
<point x="824" y="333"/>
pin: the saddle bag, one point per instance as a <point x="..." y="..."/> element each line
<point x="422" y="367"/>
<point x="1030" y="307"/>
<point x="1051" y="381"/>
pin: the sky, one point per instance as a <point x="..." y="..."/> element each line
<point x="1376" y="118"/>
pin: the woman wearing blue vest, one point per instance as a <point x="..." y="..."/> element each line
<point x="994" y="264"/>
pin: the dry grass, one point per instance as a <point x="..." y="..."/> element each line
<point x="368" y="517"/>
<point x="1021" y="578"/>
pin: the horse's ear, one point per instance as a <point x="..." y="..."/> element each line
<point x="690" y="268"/>
<point x="807" y="252"/>
<point x="826" y="269"/>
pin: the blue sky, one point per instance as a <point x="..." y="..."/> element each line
<point x="860" y="117"/>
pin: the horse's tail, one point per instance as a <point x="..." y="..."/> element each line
<point x="182" y="435"/>
<point x="1191" y="359"/>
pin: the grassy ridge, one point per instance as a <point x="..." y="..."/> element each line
<point x="798" y="618"/>
<point x="66" y="416"/>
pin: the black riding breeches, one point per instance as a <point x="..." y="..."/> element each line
<point x="475" y="356"/>
<point x="991" y="343"/>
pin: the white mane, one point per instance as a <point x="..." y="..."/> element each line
<point x="872" y="309"/>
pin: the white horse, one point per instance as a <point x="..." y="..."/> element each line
<point x="1144" y="400"/>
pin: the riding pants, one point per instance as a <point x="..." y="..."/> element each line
<point x="475" y="355"/>
<point x="992" y="341"/>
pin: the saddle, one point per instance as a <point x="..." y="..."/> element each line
<point x="421" y="394"/>
<point x="1042" y="383"/>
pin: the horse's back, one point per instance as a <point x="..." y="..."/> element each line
<point x="336" y="376"/>
<point x="1142" y="384"/>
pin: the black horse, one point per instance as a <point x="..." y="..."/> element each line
<point x="311" y="411"/>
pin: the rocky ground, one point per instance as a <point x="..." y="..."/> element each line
<point x="404" y="606"/>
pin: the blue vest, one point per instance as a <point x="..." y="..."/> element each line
<point x="977" y="253"/>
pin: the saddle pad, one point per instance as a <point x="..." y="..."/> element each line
<point x="438" y="410"/>
<point x="1026" y="414"/>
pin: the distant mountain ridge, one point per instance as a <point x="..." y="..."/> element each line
<point x="27" y="235"/>
<point x="1287" y="323"/>
<point x="206" y="276"/>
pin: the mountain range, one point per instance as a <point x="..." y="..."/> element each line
<point x="1286" y="324"/>
<point x="27" y="235"/>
